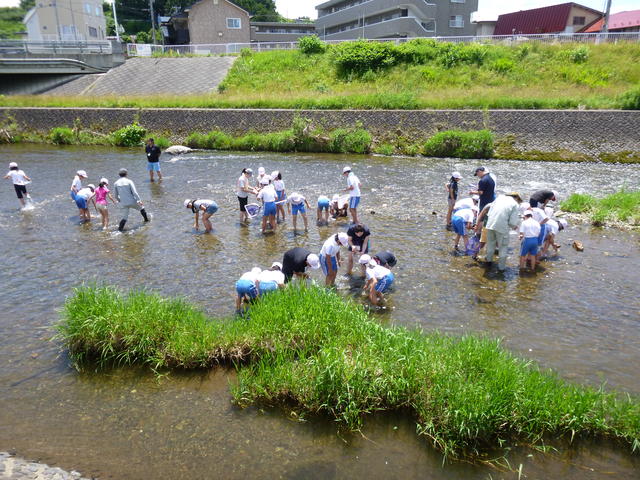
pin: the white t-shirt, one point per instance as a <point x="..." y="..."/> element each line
<point x="296" y="199"/>
<point x="77" y="183"/>
<point x="530" y="228"/>
<point x="464" y="203"/>
<point x="243" y="182"/>
<point x="272" y="276"/>
<point x="353" y="181"/>
<point x="552" y="227"/>
<point x="466" y="214"/>
<point x="523" y="207"/>
<point x="377" y="272"/>
<point x="85" y="193"/>
<point x="252" y="277"/>
<point x="267" y="194"/>
<point x="18" y="177"/>
<point x="278" y="185"/>
<point x="198" y="203"/>
<point x="259" y="179"/>
<point x="330" y="247"/>
<point x="539" y="215"/>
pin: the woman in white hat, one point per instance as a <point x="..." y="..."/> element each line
<point x="20" y="181"/>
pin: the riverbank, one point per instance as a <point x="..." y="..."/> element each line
<point x="620" y="209"/>
<point x="310" y="350"/>
<point x="14" y="468"/>
<point x="561" y="136"/>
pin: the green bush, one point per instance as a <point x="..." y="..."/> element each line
<point x="458" y="144"/>
<point x="503" y="65"/>
<point x="311" y="44"/>
<point x="196" y="140"/>
<point x="417" y="52"/>
<point x="385" y="149"/>
<point x="62" y="136"/>
<point x="356" y="140"/>
<point x="630" y="100"/>
<point x="579" y="54"/>
<point x="129" y="136"/>
<point x="578" y="203"/>
<point x="162" y="142"/>
<point x="361" y="56"/>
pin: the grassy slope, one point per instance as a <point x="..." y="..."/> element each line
<point x="535" y="76"/>
<point x="310" y="348"/>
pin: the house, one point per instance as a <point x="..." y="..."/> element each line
<point x="485" y="27"/>
<point x="620" y="22"/>
<point x="352" y="19"/>
<point x="75" y="20"/>
<point x="280" y="31"/>
<point x="564" y="18"/>
<point x="217" y="21"/>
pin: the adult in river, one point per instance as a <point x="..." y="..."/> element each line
<point x="242" y="191"/>
<point x="385" y="258"/>
<point x="542" y="197"/>
<point x="206" y="208"/>
<point x="153" y="159"/>
<point x="486" y="187"/>
<point x="502" y="215"/>
<point x="295" y="262"/>
<point x="128" y="198"/>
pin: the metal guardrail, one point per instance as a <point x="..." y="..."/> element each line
<point x="25" y="48"/>
<point x="147" y="50"/>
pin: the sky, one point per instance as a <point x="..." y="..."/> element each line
<point x="487" y="9"/>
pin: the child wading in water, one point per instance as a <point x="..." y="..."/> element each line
<point x="102" y="192"/>
<point x="529" y="232"/>
<point x="20" y="181"/>
<point x="206" y="208"/>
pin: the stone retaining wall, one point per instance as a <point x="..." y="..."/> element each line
<point x="589" y="131"/>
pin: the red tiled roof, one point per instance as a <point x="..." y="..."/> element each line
<point x="551" y="19"/>
<point x="618" y="21"/>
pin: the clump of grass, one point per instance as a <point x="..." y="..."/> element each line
<point x="622" y="206"/>
<point x="310" y="348"/>
<point x="455" y="143"/>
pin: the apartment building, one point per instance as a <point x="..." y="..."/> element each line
<point x="73" y="20"/>
<point x="352" y="19"/>
<point x="280" y="31"/>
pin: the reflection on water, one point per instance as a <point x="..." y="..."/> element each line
<point x="580" y="315"/>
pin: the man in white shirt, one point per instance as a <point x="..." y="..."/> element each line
<point x="330" y="256"/>
<point x="503" y="214"/>
<point x="353" y="187"/>
<point x="128" y="198"/>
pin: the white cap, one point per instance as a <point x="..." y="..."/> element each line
<point x="372" y="263"/>
<point x="475" y="197"/>
<point x="276" y="264"/>
<point x="528" y="213"/>
<point x="364" y="259"/>
<point x="13" y="164"/>
<point x="104" y="180"/>
<point x="313" y="261"/>
<point x="346" y="169"/>
<point x="81" y="173"/>
<point x="274" y="174"/>
<point x="256" y="270"/>
<point x="335" y="198"/>
<point x="186" y="203"/>
<point x="343" y="238"/>
<point x="92" y="186"/>
<point x="563" y="222"/>
<point x="265" y="180"/>
<point x="456" y="175"/>
<point x="261" y="171"/>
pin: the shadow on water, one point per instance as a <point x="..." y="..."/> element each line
<point x="579" y="314"/>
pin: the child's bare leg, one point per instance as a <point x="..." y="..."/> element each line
<point x="304" y="217"/>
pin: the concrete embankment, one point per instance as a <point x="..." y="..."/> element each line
<point x="573" y="133"/>
<point x="13" y="468"/>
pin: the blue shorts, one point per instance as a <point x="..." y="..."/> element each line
<point x="543" y="233"/>
<point x="153" y="166"/>
<point x="246" y="287"/>
<point x="80" y="201"/>
<point x="323" y="205"/>
<point x="354" y="202"/>
<point x="324" y="261"/>
<point x="211" y="209"/>
<point x="280" y="195"/>
<point x="267" y="287"/>
<point x="458" y="225"/>
<point x="296" y="209"/>
<point x="73" y="195"/>
<point x="384" y="283"/>
<point x="269" y="209"/>
<point x="529" y="246"/>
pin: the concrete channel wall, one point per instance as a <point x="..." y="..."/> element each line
<point x="588" y="131"/>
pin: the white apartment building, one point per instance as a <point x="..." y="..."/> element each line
<point x="67" y="20"/>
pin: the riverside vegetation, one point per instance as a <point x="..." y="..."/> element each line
<point x="418" y="74"/>
<point x="307" y="349"/>
<point x="620" y="207"/>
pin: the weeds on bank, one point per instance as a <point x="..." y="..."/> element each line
<point x="310" y="348"/>
<point x="622" y="206"/>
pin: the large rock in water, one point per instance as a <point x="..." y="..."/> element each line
<point x="178" y="149"/>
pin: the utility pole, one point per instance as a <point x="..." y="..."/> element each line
<point x="605" y="26"/>
<point x="115" y="19"/>
<point x="153" y="23"/>
<point x="73" y="21"/>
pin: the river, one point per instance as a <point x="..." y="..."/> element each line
<point x="579" y="315"/>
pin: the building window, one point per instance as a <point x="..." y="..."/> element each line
<point x="98" y="11"/>
<point x="233" y="23"/>
<point x="579" y="20"/>
<point x="93" y="32"/>
<point x="456" y="21"/>
<point x="87" y="8"/>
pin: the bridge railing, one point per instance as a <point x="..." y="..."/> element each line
<point x="147" y="50"/>
<point x="25" y="48"/>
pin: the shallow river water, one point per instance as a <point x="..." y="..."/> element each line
<point x="579" y="315"/>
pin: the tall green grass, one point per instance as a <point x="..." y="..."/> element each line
<point x="622" y="206"/>
<point x="310" y="348"/>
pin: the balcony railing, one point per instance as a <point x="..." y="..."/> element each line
<point x="20" y="47"/>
